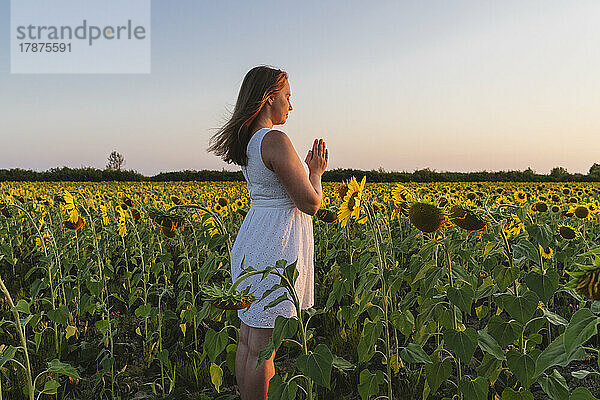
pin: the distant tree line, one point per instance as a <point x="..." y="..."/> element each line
<point x="557" y="174"/>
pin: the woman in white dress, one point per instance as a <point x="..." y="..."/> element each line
<point x="284" y="195"/>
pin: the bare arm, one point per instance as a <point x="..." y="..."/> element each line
<point x="305" y="191"/>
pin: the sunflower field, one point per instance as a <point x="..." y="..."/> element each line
<point x="422" y="291"/>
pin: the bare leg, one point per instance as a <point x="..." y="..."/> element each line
<point x="256" y="380"/>
<point x="241" y="356"/>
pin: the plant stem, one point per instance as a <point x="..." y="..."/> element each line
<point x="454" y="322"/>
<point x="21" y="336"/>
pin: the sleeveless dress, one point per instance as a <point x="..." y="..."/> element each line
<point x="273" y="229"/>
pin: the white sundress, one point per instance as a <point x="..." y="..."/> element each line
<point x="273" y="229"/>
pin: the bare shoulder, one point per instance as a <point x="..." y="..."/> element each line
<point x="276" y="145"/>
<point x="276" y="137"/>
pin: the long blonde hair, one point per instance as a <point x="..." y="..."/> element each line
<point x="231" y="141"/>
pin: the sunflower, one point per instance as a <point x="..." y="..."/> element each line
<point x="520" y="196"/>
<point x="135" y="214"/>
<point x="46" y="242"/>
<point x="513" y="227"/>
<point x="351" y="205"/>
<point x="104" y="214"/>
<point x="378" y="208"/>
<point x="400" y="194"/>
<point x="128" y="202"/>
<point x="586" y="281"/>
<point x="567" y="232"/>
<point x="426" y="217"/>
<point x="222" y="202"/>
<point x="442" y="202"/>
<point x="362" y="219"/>
<point x="342" y="190"/>
<point x="74" y="225"/>
<point x="239" y="203"/>
<point x="581" y="212"/>
<point x="546" y="252"/>
<point x="212" y="226"/>
<point x="466" y="219"/>
<point x="401" y="211"/>
<point x="539" y="206"/>
<point x="121" y="223"/>
<point x="327" y="215"/>
<point x="176" y="200"/>
<point x="219" y="296"/>
<point x="168" y="222"/>
<point x="70" y="206"/>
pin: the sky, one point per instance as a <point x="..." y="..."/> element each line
<point x="399" y="85"/>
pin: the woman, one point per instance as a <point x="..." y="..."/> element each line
<point x="284" y="194"/>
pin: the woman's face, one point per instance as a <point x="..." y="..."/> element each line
<point x="281" y="105"/>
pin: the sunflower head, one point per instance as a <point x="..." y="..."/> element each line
<point x="442" y="202"/>
<point x="222" y="201"/>
<point x="514" y="226"/>
<point x="586" y="281"/>
<point x="520" y="196"/>
<point x="400" y="194"/>
<point x="378" y="208"/>
<point x="539" y="206"/>
<point x="426" y="217"/>
<point x="128" y="202"/>
<point x="176" y="200"/>
<point x="342" y="191"/>
<point x="351" y="205"/>
<point x="466" y="219"/>
<point x="581" y="212"/>
<point x="74" y="225"/>
<point x="567" y="232"/>
<point x="135" y="214"/>
<point x="220" y="297"/>
<point x="327" y="215"/>
<point x="168" y="222"/>
<point x="546" y="252"/>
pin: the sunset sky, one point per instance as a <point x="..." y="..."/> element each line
<point x="403" y="85"/>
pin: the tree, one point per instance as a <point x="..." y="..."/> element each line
<point x="115" y="161"/>
<point x="559" y="173"/>
<point x="594" y="171"/>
